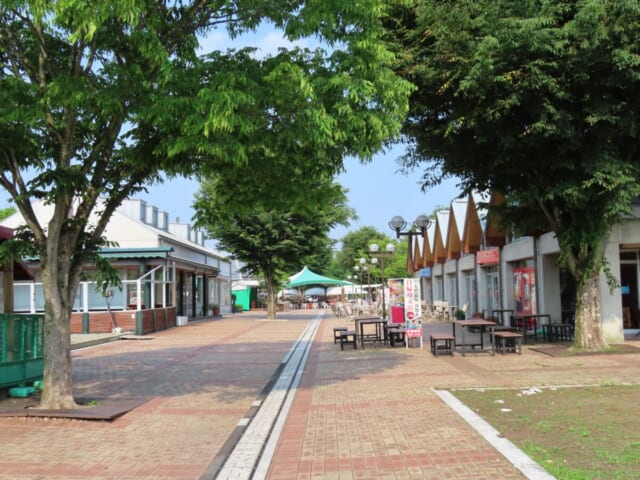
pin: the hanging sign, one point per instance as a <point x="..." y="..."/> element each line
<point x="488" y="257"/>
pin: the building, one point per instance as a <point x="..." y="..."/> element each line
<point x="468" y="262"/>
<point x="168" y="275"/>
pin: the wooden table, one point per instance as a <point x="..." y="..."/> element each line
<point x="473" y="323"/>
<point x="378" y="336"/>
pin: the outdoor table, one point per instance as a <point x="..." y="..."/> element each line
<point x="530" y="322"/>
<point x="378" y="336"/>
<point x="500" y="314"/>
<point x="471" y="323"/>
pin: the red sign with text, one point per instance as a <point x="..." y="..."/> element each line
<point x="488" y="257"/>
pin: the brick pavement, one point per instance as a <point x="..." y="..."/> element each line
<point x="357" y="414"/>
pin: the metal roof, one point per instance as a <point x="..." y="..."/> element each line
<point x="152" y="252"/>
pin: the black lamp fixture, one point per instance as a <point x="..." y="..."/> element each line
<point x="397" y="223"/>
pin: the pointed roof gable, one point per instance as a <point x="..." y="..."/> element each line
<point x="442" y="227"/>
<point x="494" y="236"/>
<point x="456" y="227"/>
<point x="417" y="256"/>
<point x="427" y="246"/>
<point x="473" y="231"/>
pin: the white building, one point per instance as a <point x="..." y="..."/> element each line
<point x="163" y="266"/>
<point x="468" y="262"/>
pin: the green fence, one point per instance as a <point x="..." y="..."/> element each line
<point x="20" y="349"/>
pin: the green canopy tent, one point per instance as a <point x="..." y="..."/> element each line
<point x="307" y="277"/>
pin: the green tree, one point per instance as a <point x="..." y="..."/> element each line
<point x="99" y="99"/>
<point x="354" y="246"/>
<point x="536" y="100"/>
<point x="6" y="212"/>
<point x="273" y="243"/>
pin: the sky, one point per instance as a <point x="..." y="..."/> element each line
<point x="375" y="190"/>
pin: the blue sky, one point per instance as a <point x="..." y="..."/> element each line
<point x="376" y="191"/>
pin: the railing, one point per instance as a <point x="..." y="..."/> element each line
<point x="21" y="343"/>
<point x="29" y="296"/>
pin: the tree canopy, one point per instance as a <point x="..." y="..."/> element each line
<point x="536" y="100"/>
<point x="100" y="99"/>
<point x="270" y="242"/>
<point x="355" y="245"/>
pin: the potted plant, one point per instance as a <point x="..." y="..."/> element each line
<point x="215" y="309"/>
<point x="459" y="314"/>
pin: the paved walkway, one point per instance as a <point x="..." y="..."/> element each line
<point x="352" y="414"/>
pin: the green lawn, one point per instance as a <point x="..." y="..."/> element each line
<point x="575" y="433"/>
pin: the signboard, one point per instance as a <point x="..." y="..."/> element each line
<point x="413" y="310"/>
<point x="524" y="290"/>
<point x="396" y="299"/>
<point x="488" y="257"/>
<point x="425" y="272"/>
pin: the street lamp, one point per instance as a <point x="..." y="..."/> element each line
<point x="358" y="274"/>
<point x="354" y="280"/>
<point x="376" y="254"/>
<point x="363" y="266"/>
<point x="398" y="223"/>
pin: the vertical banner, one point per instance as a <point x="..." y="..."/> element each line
<point x="412" y="311"/>
<point x="524" y="290"/>
<point x="412" y="308"/>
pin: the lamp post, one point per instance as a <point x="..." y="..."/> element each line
<point x="354" y="281"/>
<point x="376" y="254"/>
<point x="358" y="274"/>
<point x="398" y="223"/>
<point x="365" y="268"/>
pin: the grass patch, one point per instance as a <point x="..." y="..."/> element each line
<point x="575" y="433"/>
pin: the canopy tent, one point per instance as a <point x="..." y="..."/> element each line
<point x="307" y="277"/>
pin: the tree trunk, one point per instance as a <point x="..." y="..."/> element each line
<point x="588" y="323"/>
<point x="272" y="296"/>
<point x="59" y="291"/>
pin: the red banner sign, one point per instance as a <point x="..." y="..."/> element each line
<point x="488" y="257"/>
